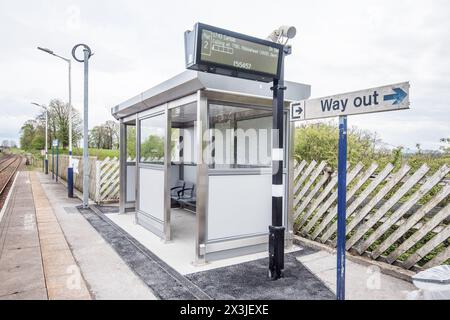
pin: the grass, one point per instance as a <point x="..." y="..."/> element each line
<point x="99" y="153"/>
<point x="93" y="152"/>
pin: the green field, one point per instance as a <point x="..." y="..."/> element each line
<point x="99" y="153"/>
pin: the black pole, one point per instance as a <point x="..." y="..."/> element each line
<point x="276" y="230"/>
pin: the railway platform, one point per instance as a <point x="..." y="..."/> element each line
<point x="47" y="252"/>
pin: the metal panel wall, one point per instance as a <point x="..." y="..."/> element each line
<point x="131" y="183"/>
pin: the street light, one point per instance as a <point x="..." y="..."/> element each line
<point x="70" y="168"/>
<point x="46" y="135"/>
<point x="87" y="54"/>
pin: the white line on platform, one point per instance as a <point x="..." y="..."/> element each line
<point x="5" y="205"/>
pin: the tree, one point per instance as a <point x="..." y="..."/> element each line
<point x="131" y="142"/>
<point x="33" y="131"/>
<point x="105" y="136"/>
<point x="152" y="149"/>
<point x="446" y="147"/>
<point x="419" y="149"/>
<point x="28" y="131"/>
<point x="58" y="123"/>
<point x="38" y="142"/>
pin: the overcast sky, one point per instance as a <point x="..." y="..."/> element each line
<point x="340" y="46"/>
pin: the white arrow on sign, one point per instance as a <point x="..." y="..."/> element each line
<point x="380" y="99"/>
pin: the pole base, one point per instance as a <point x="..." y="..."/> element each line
<point x="70" y="182"/>
<point x="276" y="252"/>
<point x="46" y="166"/>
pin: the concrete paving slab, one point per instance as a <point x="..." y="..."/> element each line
<point x="20" y="242"/>
<point x="25" y="259"/>
<point x="107" y="276"/>
<point x="35" y="294"/>
<point x="62" y="293"/>
<point x="21" y="280"/>
<point x="17" y="256"/>
<point x="362" y="282"/>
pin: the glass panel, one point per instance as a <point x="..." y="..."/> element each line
<point x="152" y="135"/>
<point x="131" y="142"/>
<point x="184" y="128"/>
<point x="241" y="136"/>
<point x="175" y="145"/>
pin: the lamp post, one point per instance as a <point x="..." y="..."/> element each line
<point x="70" y="168"/>
<point x="46" y="135"/>
<point x="87" y="53"/>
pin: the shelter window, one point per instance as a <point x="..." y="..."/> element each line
<point x="152" y="136"/>
<point x="131" y="142"/>
<point x="241" y="136"/>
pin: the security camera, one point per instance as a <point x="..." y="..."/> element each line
<point x="285" y="31"/>
<point x="288" y="31"/>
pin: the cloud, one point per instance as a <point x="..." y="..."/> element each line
<point x="341" y="46"/>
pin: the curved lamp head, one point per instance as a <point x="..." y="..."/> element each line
<point x="45" y="50"/>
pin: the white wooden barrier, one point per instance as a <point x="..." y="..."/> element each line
<point x="103" y="177"/>
<point x="384" y="220"/>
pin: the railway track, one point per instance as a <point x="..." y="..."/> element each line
<point x="5" y="158"/>
<point x="9" y="164"/>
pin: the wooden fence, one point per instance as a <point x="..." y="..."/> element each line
<point x="395" y="216"/>
<point x="103" y="176"/>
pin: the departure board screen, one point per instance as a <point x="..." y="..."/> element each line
<point x="222" y="49"/>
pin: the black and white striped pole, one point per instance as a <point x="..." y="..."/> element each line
<point x="276" y="230"/>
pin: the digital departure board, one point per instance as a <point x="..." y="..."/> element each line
<point x="216" y="50"/>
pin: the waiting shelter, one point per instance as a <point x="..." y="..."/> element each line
<point x="195" y="158"/>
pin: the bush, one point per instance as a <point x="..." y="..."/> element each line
<point x="320" y="142"/>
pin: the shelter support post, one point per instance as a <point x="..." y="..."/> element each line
<point x="342" y="185"/>
<point x="122" y="166"/>
<point x="138" y="157"/>
<point x="167" y="161"/>
<point x="202" y="179"/>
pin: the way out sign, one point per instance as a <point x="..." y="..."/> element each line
<point x="386" y="98"/>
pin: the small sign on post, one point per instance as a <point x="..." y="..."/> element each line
<point x="75" y="165"/>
